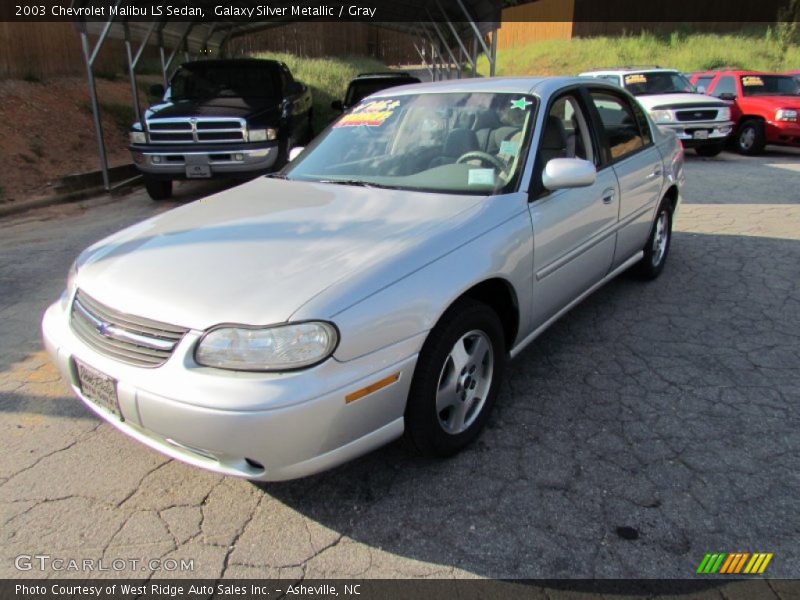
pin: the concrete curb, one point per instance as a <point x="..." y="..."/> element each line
<point x="74" y="195"/>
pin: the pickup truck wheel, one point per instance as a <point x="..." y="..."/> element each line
<point x="657" y="247"/>
<point x="750" y="139"/>
<point x="158" y="189"/>
<point x="456" y="380"/>
<point x="709" y="150"/>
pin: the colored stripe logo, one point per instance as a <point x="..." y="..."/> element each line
<point x="734" y="564"/>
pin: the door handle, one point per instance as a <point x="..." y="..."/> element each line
<point x="608" y="195"/>
<point x="654" y="174"/>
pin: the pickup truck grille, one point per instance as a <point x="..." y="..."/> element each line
<point x="697" y="114"/>
<point x="133" y="340"/>
<point x="197" y="131"/>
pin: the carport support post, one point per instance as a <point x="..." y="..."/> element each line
<point x="163" y="58"/>
<point x="493" y="58"/>
<point x="474" y="57"/>
<point x="98" y="124"/>
<point x="132" y="73"/>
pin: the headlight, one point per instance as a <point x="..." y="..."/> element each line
<point x="138" y="137"/>
<point x="262" y="135"/>
<point x="661" y="116"/>
<point x="786" y="114"/>
<point x="724" y="114"/>
<point x="277" y="348"/>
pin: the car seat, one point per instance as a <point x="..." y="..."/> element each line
<point x="457" y="143"/>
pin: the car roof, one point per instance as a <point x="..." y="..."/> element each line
<point x="625" y="70"/>
<point x="734" y="72"/>
<point x="385" y="75"/>
<point x="511" y="85"/>
<point x="222" y="62"/>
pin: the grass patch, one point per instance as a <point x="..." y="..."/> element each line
<point x="327" y="78"/>
<point x="122" y="114"/>
<point x="686" y="51"/>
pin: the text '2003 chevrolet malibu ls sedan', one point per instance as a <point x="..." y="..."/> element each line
<point x="378" y="285"/>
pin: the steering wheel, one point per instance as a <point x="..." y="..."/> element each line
<point x="485" y="157"/>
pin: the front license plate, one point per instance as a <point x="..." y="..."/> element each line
<point x="701" y="135"/>
<point x="99" y="388"/>
<point x="198" y="171"/>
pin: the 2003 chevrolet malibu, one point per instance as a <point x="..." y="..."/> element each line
<point x="378" y="285"/>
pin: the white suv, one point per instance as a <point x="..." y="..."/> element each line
<point x="700" y="122"/>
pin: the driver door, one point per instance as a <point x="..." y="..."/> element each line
<point x="573" y="229"/>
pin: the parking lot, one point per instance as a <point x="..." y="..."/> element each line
<point x="654" y="423"/>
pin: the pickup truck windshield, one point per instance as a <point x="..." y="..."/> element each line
<point x="200" y="82"/>
<point x="770" y="85"/>
<point x="657" y="82"/>
<point x="464" y="143"/>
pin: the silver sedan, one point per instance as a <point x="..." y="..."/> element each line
<point x="378" y="286"/>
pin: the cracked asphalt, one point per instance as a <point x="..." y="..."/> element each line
<point x="654" y="423"/>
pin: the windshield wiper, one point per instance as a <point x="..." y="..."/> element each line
<point x="356" y="182"/>
<point x="276" y="176"/>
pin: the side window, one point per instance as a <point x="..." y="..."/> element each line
<point x="565" y="135"/>
<point x="726" y="85"/>
<point x="703" y="82"/>
<point x="620" y="124"/>
<point x="286" y="78"/>
<point x="644" y="124"/>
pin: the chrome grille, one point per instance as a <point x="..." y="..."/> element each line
<point x="127" y="338"/>
<point x="198" y="130"/>
<point x="696" y="114"/>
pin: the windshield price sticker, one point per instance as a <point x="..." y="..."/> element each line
<point x="509" y="147"/>
<point x="521" y="103"/>
<point x="635" y="78"/>
<point x="481" y="177"/>
<point x="371" y="114"/>
<point x="752" y="80"/>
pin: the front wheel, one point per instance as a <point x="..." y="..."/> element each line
<point x="657" y="247"/>
<point x="750" y="138"/>
<point x="456" y="380"/>
<point x="158" y="189"/>
<point x="709" y="150"/>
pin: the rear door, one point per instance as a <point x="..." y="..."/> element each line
<point x="635" y="160"/>
<point x="573" y="229"/>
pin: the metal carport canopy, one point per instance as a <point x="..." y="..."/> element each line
<point x="451" y="33"/>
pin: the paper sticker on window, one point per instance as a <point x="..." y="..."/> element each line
<point x="481" y="177"/>
<point x="509" y="147"/>
<point x="635" y="78"/>
<point x="521" y="103"/>
<point x="752" y="80"/>
<point x="371" y="114"/>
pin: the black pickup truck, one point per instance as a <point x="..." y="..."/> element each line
<point x="221" y="118"/>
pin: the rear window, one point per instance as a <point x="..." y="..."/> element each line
<point x="769" y="85"/>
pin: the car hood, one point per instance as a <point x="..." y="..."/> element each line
<point x="242" y="108"/>
<point x="256" y="253"/>
<point x="651" y="101"/>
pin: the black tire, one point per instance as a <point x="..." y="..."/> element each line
<point x="750" y="139"/>
<point x="709" y="150"/>
<point x="423" y="423"/>
<point x="653" y="261"/>
<point x="158" y="189"/>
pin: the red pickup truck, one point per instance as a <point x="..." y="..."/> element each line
<point x="764" y="106"/>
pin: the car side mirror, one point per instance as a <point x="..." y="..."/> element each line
<point x="563" y="173"/>
<point x="337" y="105"/>
<point x="727" y="96"/>
<point x="294" y="152"/>
<point x="294" y="88"/>
<point x="157" y="91"/>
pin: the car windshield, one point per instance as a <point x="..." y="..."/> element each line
<point x="464" y="143"/>
<point x="198" y="82"/>
<point x="657" y="82"/>
<point x="769" y="85"/>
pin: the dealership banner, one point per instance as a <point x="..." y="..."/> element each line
<point x="382" y="589"/>
<point x="675" y="11"/>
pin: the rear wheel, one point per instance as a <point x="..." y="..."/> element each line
<point x="456" y="380"/>
<point x="750" y="138"/>
<point x="709" y="150"/>
<point x="158" y="189"/>
<point x="657" y="247"/>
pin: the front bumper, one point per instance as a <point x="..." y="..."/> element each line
<point x="710" y="132"/>
<point x="784" y="133"/>
<point x="178" y="162"/>
<point x="261" y="426"/>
